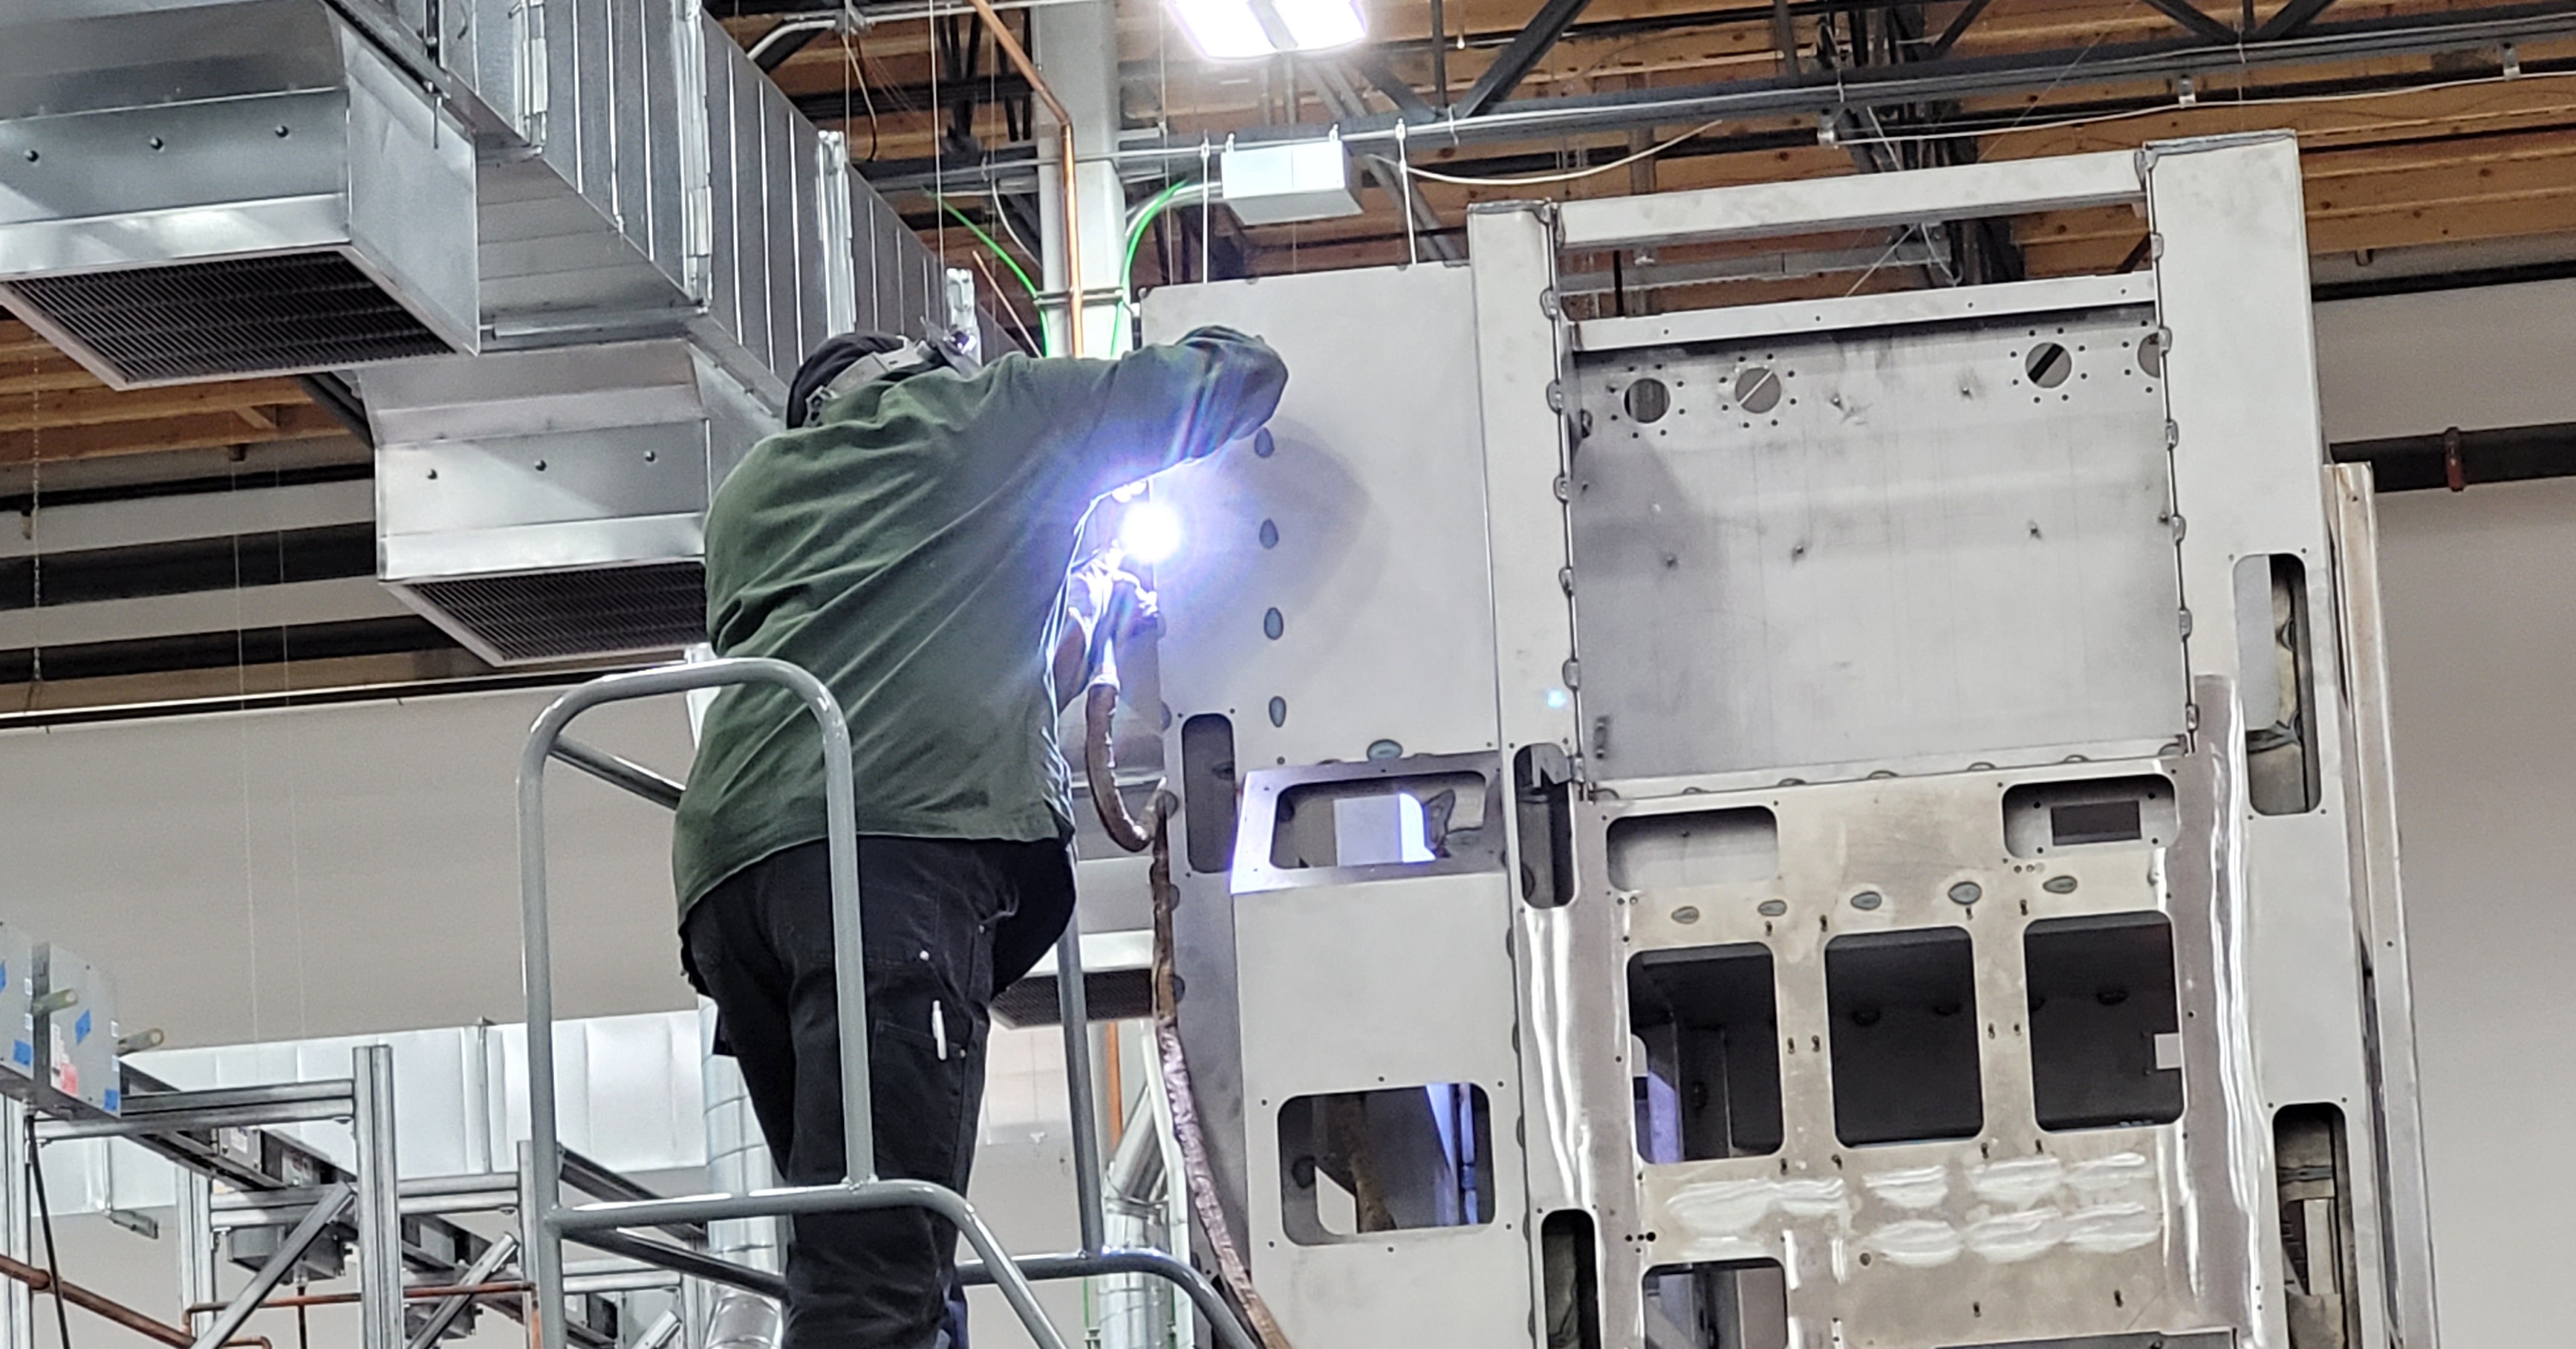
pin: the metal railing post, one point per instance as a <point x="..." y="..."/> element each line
<point x="1073" y="1006"/>
<point x="379" y="1201"/>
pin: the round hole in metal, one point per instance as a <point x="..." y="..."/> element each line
<point x="1272" y="625"/>
<point x="1269" y="533"/>
<point x="2048" y="364"/>
<point x="1647" y="400"/>
<point x="1278" y="711"/>
<point x="1757" y="389"/>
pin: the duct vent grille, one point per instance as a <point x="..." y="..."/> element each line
<point x="236" y="316"/>
<point x="602" y="611"/>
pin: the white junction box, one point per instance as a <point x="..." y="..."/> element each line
<point x="1275" y="184"/>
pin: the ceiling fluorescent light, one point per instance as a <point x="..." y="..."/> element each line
<point x="1223" y="30"/>
<point x="1238" y="30"/>
<point x="1320" y="25"/>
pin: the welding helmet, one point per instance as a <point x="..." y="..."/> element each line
<point x="853" y="360"/>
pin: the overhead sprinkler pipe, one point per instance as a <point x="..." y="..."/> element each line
<point x="1072" y="212"/>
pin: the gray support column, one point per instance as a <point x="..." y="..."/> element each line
<point x="1076" y="49"/>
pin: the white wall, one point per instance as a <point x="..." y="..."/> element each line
<point x="2482" y="663"/>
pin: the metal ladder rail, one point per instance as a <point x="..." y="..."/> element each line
<point x="1093" y="1260"/>
<point x="548" y="1221"/>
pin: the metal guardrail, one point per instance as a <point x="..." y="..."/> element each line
<point x="610" y="1225"/>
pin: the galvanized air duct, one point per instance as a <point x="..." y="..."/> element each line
<point x="201" y="191"/>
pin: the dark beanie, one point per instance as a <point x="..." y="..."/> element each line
<point x="826" y="364"/>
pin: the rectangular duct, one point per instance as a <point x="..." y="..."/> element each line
<point x="548" y="505"/>
<point x="199" y="192"/>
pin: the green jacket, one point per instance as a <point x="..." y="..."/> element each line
<point x="909" y="549"/>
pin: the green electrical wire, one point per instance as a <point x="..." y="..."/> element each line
<point x="1154" y="208"/>
<point x="978" y="232"/>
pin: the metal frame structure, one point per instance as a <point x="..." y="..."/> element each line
<point x="548" y="1223"/>
<point x="1762" y="617"/>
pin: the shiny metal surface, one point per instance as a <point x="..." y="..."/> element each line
<point x="139" y="142"/>
<point x="1964" y="576"/>
<point x="1901" y="556"/>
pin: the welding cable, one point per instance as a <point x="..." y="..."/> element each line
<point x="1198" y="1178"/>
<point x="1099" y="710"/>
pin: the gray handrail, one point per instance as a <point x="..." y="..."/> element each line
<point x="547" y="1220"/>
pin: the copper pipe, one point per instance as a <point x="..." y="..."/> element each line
<point x="1019" y="58"/>
<point x="420" y="1291"/>
<point x="100" y="1305"/>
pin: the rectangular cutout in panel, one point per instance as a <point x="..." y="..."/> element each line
<point x="1543" y="797"/>
<point x="1734" y="1304"/>
<point x="1210" y="793"/>
<point x="1357" y="1163"/>
<point x="2044" y="818"/>
<point x="2312" y="1170"/>
<point x="1903" y="1008"/>
<point x="1569" y="1264"/>
<point x="1701" y="847"/>
<point x="2102" y="1003"/>
<point x="1411" y="819"/>
<point x="2276" y="685"/>
<point x="1705" y="1026"/>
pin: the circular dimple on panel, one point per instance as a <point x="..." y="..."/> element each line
<point x="1757" y="389"/>
<point x="2151" y="355"/>
<point x="1773" y="908"/>
<point x="1278" y="711"/>
<point x="1686" y="914"/>
<point x="2059" y="885"/>
<point x="1272" y="625"/>
<point x="1269" y="533"/>
<point x="2048" y="364"/>
<point x="1967" y="892"/>
<point x="1867" y="899"/>
<point x="1647" y="400"/>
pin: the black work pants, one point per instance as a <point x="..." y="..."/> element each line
<point x="942" y="921"/>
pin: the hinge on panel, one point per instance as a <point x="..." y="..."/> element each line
<point x="1547" y="303"/>
<point x="2186" y="623"/>
<point x="1572" y="673"/>
<point x="1565" y="579"/>
<point x="1556" y="395"/>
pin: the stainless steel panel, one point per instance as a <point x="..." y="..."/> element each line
<point x="1375" y="504"/>
<point x="1913" y="550"/>
<point x="1821" y="205"/>
<point x="1790" y="319"/>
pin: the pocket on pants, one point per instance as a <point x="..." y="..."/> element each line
<point x="919" y="1079"/>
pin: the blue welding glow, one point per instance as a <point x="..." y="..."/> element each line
<point x="1556" y="700"/>
<point x="1149" y="532"/>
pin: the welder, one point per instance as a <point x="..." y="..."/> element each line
<point x="907" y="540"/>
